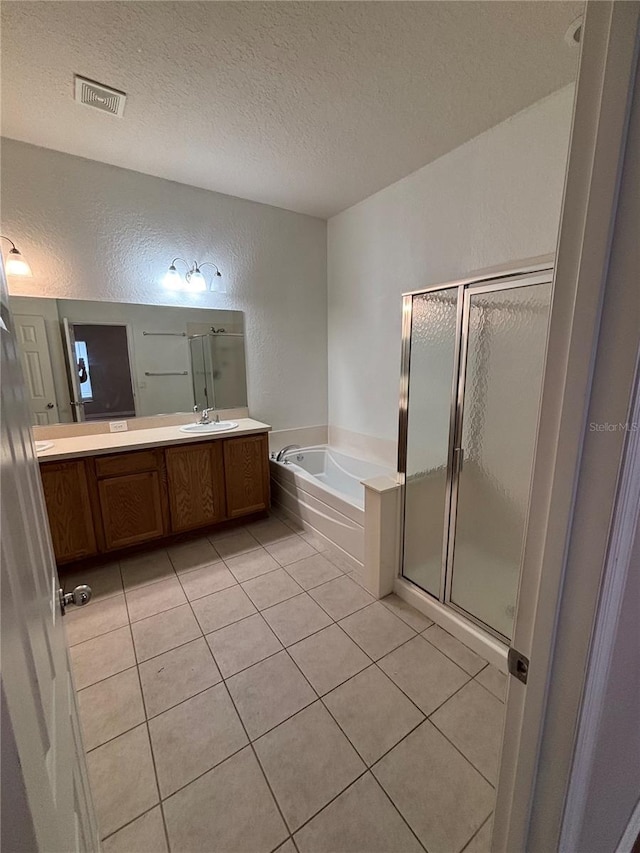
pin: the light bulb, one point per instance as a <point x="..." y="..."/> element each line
<point x="196" y="281"/>
<point x="218" y="285"/>
<point x="172" y="279"/>
<point x="16" y="264"/>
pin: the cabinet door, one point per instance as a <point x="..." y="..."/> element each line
<point x="70" y="520"/>
<point x="246" y="471"/>
<point x="131" y="508"/>
<point x="195" y="477"/>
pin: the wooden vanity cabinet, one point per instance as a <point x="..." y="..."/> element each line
<point x="195" y="480"/>
<point x="66" y="495"/>
<point x="131" y="498"/>
<point x="111" y="502"/>
<point x="246" y="468"/>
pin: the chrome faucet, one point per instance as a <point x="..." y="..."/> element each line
<point x="204" y="416"/>
<point x="281" y="453"/>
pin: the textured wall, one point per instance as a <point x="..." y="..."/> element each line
<point x="493" y="200"/>
<point x="92" y="231"/>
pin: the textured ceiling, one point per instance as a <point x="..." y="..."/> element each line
<point x="310" y="106"/>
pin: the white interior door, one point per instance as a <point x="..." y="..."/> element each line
<point x="36" y="367"/>
<point x="36" y="678"/>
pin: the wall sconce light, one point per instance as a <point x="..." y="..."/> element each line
<point x="15" y="263"/>
<point x="193" y="280"/>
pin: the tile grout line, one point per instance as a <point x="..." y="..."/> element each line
<point x="146" y="722"/>
<point x="368" y="765"/>
<point x="399" y="646"/>
<point x="164" y="710"/>
<point x="290" y="717"/>
<point x="447" y="655"/>
<point x="402" y="817"/>
<point x="255" y="755"/>
<point x="458" y="750"/>
<point x="164" y="820"/>
<point x="319" y="697"/>
<point x="404" y="737"/>
<point x="349" y="741"/>
<point x="490" y="692"/>
<point x="368" y="768"/>
<point x="428" y="716"/>
<point x="484" y="823"/>
<point x="133" y="820"/>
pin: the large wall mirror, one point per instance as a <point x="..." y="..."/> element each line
<point x="91" y="361"/>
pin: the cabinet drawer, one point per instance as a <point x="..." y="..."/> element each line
<point x="131" y="508"/>
<point x="127" y="463"/>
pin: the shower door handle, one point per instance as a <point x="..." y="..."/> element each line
<point x="459" y="459"/>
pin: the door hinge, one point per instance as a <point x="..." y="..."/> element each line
<point x="518" y="665"/>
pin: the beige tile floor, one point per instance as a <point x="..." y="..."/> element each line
<point x="242" y="687"/>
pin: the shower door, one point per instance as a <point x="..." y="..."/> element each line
<point x="498" y="402"/>
<point x="472" y="372"/>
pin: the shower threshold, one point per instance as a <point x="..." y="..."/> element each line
<point x="462" y="629"/>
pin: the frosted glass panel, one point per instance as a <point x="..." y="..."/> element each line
<point x="506" y="347"/>
<point x="199" y="375"/>
<point x="433" y="341"/>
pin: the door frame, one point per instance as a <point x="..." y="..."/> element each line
<point x="594" y="344"/>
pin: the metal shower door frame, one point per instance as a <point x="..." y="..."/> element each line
<point x="520" y="277"/>
<point x="456" y="459"/>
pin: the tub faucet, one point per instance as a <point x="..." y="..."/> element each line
<point x="281" y="453"/>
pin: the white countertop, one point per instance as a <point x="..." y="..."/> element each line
<point x="135" y="439"/>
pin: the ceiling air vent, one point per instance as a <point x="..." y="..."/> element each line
<point x="100" y="97"/>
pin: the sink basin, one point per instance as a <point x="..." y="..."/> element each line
<point x="43" y="445"/>
<point x="207" y="429"/>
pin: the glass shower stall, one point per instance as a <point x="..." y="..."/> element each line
<point x="218" y="370"/>
<point x="473" y="359"/>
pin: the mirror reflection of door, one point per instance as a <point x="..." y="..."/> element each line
<point x="36" y="367"/>
<point x="103" y="370"/>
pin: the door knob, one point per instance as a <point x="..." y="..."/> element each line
<point x="79" y="596"/>
<point x="49" y="405"/>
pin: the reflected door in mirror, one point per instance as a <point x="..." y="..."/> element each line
<point x="99" y="358"/>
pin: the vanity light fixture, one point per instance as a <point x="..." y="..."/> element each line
<point x="194" y="280"/>
<point x="15" y="263"/>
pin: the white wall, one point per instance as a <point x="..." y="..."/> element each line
<point x="92" y="231"/>
<point x="493" y="200"/>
